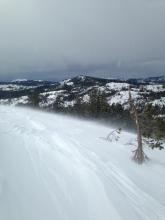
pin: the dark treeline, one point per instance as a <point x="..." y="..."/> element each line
<point x="97" y="108"/>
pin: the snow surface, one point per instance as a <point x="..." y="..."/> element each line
<point x="86" y="98"/>
<point x="117" y="86"/>
<point x="67" y="82"/>
<point x="154" y="88"/>
<point x="51" y="97"/>
<point x="160" y="102"/>
<point x="15" y="101"/>
<point x="57" y="168"/>
<point x="19" y="80"/>
<point x="14" y="87"/>
<point x="122" y="98"/>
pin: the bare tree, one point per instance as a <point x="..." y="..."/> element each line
<point x="139" y="155"/>
<point x="114" y="135"/>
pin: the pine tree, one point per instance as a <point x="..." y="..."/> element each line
<point x="58" y="104"/>
<point x="78" y="105"/>
<point x="34" y="98"/>
<point x="146" y="130"/>
<point x="153" y="129"/>
<point x="93" y="105"/>
<point x="98" y="106"/>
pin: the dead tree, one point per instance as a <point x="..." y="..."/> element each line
<point x="114" y="135"/>
<point x="139" y="155"/>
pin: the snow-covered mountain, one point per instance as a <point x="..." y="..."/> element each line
<point x="144" y="91"/>
<point x="55" y="167"/>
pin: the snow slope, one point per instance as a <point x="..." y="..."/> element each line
<point x="58" y="168"/>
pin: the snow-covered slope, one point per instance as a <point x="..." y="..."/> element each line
<point x="57" y="168"/>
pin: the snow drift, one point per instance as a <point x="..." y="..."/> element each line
<point x="58" y="168"/>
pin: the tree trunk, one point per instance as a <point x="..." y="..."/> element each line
<point x="139" y="155"/>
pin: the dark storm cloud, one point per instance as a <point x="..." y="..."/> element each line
<point x="60" y="36"/>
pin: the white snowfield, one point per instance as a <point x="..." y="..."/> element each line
<point x="58" y="168"/>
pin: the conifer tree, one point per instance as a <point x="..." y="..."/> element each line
<point x="146" y="131"/>
<point x="58" y="104"/>
<point x="98" y="105"/>
<point x="35" y="98"/>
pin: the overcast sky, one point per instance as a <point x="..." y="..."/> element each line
<point x="57" y="38"/>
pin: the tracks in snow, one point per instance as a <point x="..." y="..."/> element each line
<point x="62" y="163"/>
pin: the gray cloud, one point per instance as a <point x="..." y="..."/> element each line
<point x="61" y="36"/>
